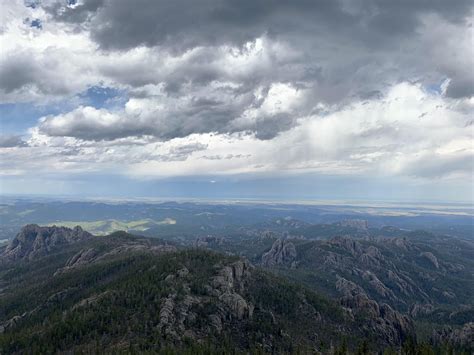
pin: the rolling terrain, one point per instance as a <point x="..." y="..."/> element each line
<point x="187" y="220"/>
<point x="127" y="293"/>
<point x="282" y="285"/>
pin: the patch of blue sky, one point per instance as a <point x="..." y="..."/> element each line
<point x="435" y="88"/>
<point x="36" y="23"/>
<point x="103" y="97"/>
<point x="16" y="118"/>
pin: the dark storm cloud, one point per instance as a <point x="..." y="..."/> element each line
<point x="333" y="51"/>
<point x="16" y="72"/>
<point x="74" y="11"/>
<point x="462" y="87"/>
<point x="124" y="24"/>
<point x="345" y="44"/>
<point x="24" y="70"/>
<point x="185" y="24"/>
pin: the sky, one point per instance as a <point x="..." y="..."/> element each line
<point x="329" y="99"/>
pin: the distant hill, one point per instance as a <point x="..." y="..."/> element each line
<point x="104" y="227"/>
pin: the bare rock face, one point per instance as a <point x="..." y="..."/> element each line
<point x="166" y="314"/>
<point x="34" y="241"/>
<point x="372" y="256"/>
<point x="228" y="285"/>
<point x="403" y="284"/>
<point x="232" y="277"/>
<point x="395" y="327"/>
<point x="224" y="291"/>
<point x="392" y="325"/>
<point x="11" y="323"/>
<point x="237" y="305"/>
<point x="85" y="256"/>
<point x="421" y="309"/>
<point x="355" y="298"/>
<point x="401" y="243"/>
<point x="463" y="337"/>
<point x="282" y="252"/>
<point x="431" y="258"/>
<point x="348" y="288"/>
<point x="352" y="246"/>
<point x="377" y="285"/>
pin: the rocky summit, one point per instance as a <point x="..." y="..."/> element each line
<point x="34" y="241"/>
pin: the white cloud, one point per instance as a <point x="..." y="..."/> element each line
<point x="265" y="104"/>
<point x="407" y="132"/>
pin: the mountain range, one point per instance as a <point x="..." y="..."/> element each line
<point x="66" y="290"/>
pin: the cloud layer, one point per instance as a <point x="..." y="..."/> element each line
<point x="240" y="87"/>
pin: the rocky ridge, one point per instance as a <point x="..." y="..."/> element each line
<point x="383" y="319"/>
<point x="463" y="337"/>
<point x="394" y="280"/>
<point x="88" y="256"/>
<point x="34" y="241"/>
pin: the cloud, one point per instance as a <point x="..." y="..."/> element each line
<point x="10" y="141"/>
<point x="73" y="11"/>
<point x="408" y="131"/>
<point x="187" y="24"/>
<point x="340" y="50"/>
<point x="17" y="71"/>
<point x="29" y="75"/>
<point x="91" y="124"/>
<point x="182" y="152"/>
<point x="435" y="165"/>
<point x="376" y="88"/>
<point x="264" y="112"/>
<point x="379" y="138"/>
<point x="462" y="87"/>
